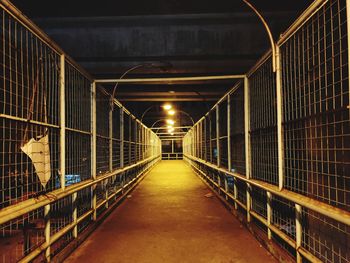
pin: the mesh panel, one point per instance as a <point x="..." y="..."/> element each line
<point x="263" y="125"/>
<point x="237" y="130"/>
<point x="317" y="122"/>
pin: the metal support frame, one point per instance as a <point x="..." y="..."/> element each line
<point x="110" y="135"/>
<point x="75" y="214"/>
<point x="93" y="149"/>
<point x="269" y="213"/>
<point x="348" y="38"/>
<point x="229" y="164"/>
<point x="217" y="135"/>
<point x="247" y="142"/>
<point x="174" y="79"/>
<point x="62" y="124"/>
<point x="47" y="231"/>
<point x="298" y="231"/>
<point x="121" y="138"/>
<point x="279" y="119"/>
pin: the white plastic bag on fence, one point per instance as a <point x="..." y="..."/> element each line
<point x="39" y="153"/>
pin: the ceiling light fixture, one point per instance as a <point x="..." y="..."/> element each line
<point x="171" y="122"/>
<point x="171" y="112"/>
<point x="167" y="106"/>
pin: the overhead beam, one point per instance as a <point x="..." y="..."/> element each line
<point x="165" y="128"/>
<point x="167" y="93"/>
<point x="170" y="80"/>
<point x="168" y="99"/>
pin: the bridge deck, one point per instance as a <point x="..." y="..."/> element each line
<point x="169" y="219"/>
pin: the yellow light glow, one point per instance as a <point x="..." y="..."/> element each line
<point x="172" y="133"/>
<point x="171" y="112"/>
<point x="171" y="122"/>
<point x="169" y="126"/>
<point x="171" y="130"/>
<point x="167" y="106"/>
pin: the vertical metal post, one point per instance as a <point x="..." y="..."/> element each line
<point x="348" y="35"/>
<point x="279" y="118"/>
<point x="269" y="214"/>
<point x="247" y="142"/>
<point x="121" y="149"/>
<point x="63" y="124"/>
<point x="110" y="118"/>
<point x="235" y="192"/>
<point x="229" y="164"/>
<point x="210" y="146"/>
<point x="47" y="231"/>
<point x="93" y="148"/>
<point x="105" y="184"/>
<point x="249" y="201"/>
<point x="217" y="135"/>
<point x="298" y="230"/>
<point x="204" y="139"/>
<point x="121" y="137"/>
<point x="75" y="214"/>
<point x="142" y="143"/>
<point x="110" y="135"/>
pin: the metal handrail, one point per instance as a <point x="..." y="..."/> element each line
<point x="310" y="203"/>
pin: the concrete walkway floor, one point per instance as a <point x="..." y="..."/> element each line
<point x="169" y="219"/>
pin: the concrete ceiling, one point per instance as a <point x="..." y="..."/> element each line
<point x="195" y="37"/>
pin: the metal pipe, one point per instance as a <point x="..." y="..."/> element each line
<point x="298" y="230"/>
<point x="247" y="143"/>
<point x="146" y="80"/>
<point x="93" y="149"/>
<point x="75" y="214"/>
<point x="322" y="208"/>
<point x="16" y="210"/>
<point x="62" y="124"/>
<point x="184" y="112"/>
<point x="217" y="136"/>
<point x="269" y="33"/>
<point x="161" y="99"/>
<point x="279" y="120"/>
<point x="14" y="118"/>
<point x="269" y="213"/>
<point x="175" y="127"/>
<point x="301" y="20"/>
<point x="47" y="231"/>
<point x="348" y="38"/>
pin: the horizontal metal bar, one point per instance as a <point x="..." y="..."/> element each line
<point x="167" y="133"/>
<point x="168" y="99"/>
<point x="312" y="204"/>
<point x="14" y="118"/>
<point x="166" y="93"/>
<point x="77" y="131"/>
<point x="301" y="20"/>
<point x="145" y="80"/>
<point x="282" y="235"/>
<point x="165" y="128"/>
<point x="306" y="254"/>
<point x="169" y="138"/>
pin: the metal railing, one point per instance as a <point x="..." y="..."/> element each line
<point x="172" y="149"/>
<point x="285" y="162"/>
<point x="66" y="156"/>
